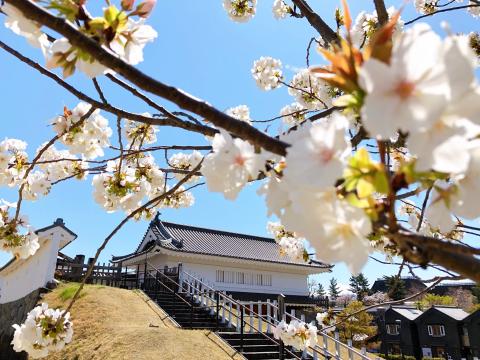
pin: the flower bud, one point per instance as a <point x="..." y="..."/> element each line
<point x="127" y="5"/>
<point x="145" y="8"/>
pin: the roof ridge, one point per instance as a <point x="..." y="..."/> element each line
<point x="253" y="237"/>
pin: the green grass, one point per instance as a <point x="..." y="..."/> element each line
<point x="69" y="290"/>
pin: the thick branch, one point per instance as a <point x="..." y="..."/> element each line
<point x="147" y="83"/>
<point x="381" y="11"/>
<point x="421" y="250"/>
<point x="325" y="31"/>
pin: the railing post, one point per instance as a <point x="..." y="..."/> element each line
<point x="281" y="314"/>
<point x="251" y="317"/>
<point x="259" y="312"/>
<point x="230" y="313"/>
<point x="337" y="346"/>
<point x="350" y="351"/>
<point x="223" y="308"/>
<point x="325" y="344"/>
<point x="217" y="299"/>
<point x="241" y="327"/>
<point x="269" y="316"/>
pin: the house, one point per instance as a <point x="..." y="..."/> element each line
<point x="440" y="332"/>
<point x="245" y="266"/>
<point x="471" y="333"/>
<point x="450" y="287"/>
<point x="398" y="331"/>
<point x="412" y="285"/>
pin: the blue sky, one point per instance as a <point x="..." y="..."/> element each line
<point x="201" y="51"/>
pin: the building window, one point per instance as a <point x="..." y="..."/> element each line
<point x="242" y="278"/>
<point x="436" y="330"/>
<point x="393" y="329"/>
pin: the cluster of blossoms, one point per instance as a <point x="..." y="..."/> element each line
<point x="138" y="133"/>
<point x="293" y="114"/>
<point x="230" y="165"/>
<point x="310" y="91"/>
<point x="240" y="10"/>
<point x="376" y="298"/>
<point x="16" y="235"/>
<point x="115" y="30"/>
<point x="366" y="24"/>
<point x="44" y="331"/>
<point x="267" y="72"/>
<point x="186" y="162"/>
<point x="240" y="112"/>
<point x="290" y="244"/>
<point x="280" y="9"/>
<point x="126" y="184"/>
<point x="326" y="321"/>
<point x="61" y="164"/>
<point x="297" y="334"/>
<point x="13" y="160"/>
<point x="430" y="6"/>
<point x="83" y="136"/>
<point x="435" y="101"/>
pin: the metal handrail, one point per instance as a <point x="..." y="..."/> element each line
<point x="243" y="307"/>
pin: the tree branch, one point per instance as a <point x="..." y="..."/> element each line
<point x="175" y="122"/>
<point x="381" y="12"/>
<point x="147" y="83"/>
<point x="325" y="31"/>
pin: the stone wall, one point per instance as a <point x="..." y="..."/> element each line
<point x="14" y="312"/>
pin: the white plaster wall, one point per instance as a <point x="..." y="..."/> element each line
<point x="282" y="282"/>
<point x="24" y="276"/>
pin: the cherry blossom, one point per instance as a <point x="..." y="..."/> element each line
<point x="20" y="25"/>
<point x="63" y="54"/>
<point x="44" y="331"/>
<point x="88" y="138"/>
<point x="13" y="159"/>
<point x="410" y="92"/>
<point x="187" y="162"/>
<point x="129" y="43"/>
<point x="297" y="334"/>
<point x="310" y="91"/>
<point x="293" y="114"/>
<point x="230" y="165"/>
<point x="267" y="73"/>
<point x="16" y="235"/>
<point x="240" y="10"/>
<point x="138" y="133"/>
<point x="280" y="9"/>
<point x="317" y="159"/>
<point x="240" y="112"/>
<point x="61" y="164"/>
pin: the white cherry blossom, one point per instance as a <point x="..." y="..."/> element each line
<point x="90" y="137"/>
<point x="138" y="133"/>
<point x="187" y="162"/>
<point x="240" y="112"/>
<point x="39" y="335"/>
<point x="293" y="114"/>
<point x="267" y="72"/>
<point x="20" y="25"/>
<point x="410" y="93"/>
<point x="310" y="91"/>
<point x="129" y="43"/>
<point x="280" y="9"/>
<point x="240" y="10"/>
<point x="317" y="159"/>
<point x="230" y="165"/>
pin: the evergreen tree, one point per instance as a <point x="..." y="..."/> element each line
<point x="359" y="285"/>
<point x="333" y="289"/>
<point x="320" y="290"/>
<point x="395" y="287"/>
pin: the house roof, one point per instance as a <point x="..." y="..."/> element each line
<point x="196" y="240"/>
<point x="409" y="313"/>
<point x="452" y="312"/>
<point x="410" y="282"/>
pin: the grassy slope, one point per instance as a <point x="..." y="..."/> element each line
<point x="112" y="323"/>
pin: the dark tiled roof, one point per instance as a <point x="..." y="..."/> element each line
<point x="192" y="239"/>
<point x="289" y="299"/>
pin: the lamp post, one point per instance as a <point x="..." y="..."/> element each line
<point x="399" y="323"/>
